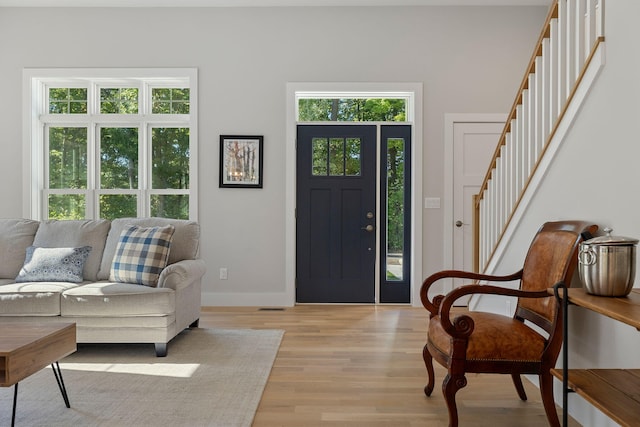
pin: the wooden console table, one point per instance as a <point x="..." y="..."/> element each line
<point x="616" y="392"/>
<point x="26" y="348"/>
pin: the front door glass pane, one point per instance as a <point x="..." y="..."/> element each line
<point x="336" y="156"/>
<point x="320" y="153"/>
<point x="352" y="157"/>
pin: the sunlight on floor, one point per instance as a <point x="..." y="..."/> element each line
<point x="184" y="370"/>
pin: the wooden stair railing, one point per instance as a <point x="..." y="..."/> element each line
<point x="569" y="38"/>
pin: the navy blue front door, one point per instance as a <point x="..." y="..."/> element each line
<point x="335" y="214"/>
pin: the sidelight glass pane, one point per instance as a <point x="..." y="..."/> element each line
<point x="320" y="154"/>
<point x="336" y="156"/>
<point x="395" y="208"/>
<point x="119" y="158"/>
<point x="353" y="165"/>
<point x="67" y="157"/>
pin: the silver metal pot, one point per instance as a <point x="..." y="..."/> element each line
<point x="607" y="264"/>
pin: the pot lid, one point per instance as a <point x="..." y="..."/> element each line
<point x="611" y="240"/>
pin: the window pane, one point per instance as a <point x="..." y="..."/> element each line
<point x="336" y="156"/>
<point x="352" y="157"/>
<point x="320" y="154"/>
<point x="119" y="100"/>
<point x="170" y="206"/>
<point x="67" y="100"/>
<point x="114" y="206"/>
<point x="170" y="101"/>
<point x="119" y="158"/>
<point x="170" y="158"/>
<point x="67" y="157"/>
<point x="352" y="110"/>
<point x="395" y="208"/>
<point x="66" y="206"/>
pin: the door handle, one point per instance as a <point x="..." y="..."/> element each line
<point x="459" y="223"/>
<point x="368" y="228"/>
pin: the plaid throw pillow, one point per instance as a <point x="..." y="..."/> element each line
<point x="141" y="254"/>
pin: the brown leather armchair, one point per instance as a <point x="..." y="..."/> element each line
<point x="491" y="343"/>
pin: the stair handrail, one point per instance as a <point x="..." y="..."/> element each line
<point x="531" y="68"/>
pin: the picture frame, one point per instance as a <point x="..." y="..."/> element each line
<point x="241" y="161"/>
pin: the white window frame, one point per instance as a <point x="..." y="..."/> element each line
<point x="36" y="118"/>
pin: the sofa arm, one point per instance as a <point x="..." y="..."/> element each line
<point x="181" y="274"/>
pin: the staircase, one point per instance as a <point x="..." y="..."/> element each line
<point x="566" y="61"/>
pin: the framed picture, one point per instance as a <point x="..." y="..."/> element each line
<point x="241" y="161"/>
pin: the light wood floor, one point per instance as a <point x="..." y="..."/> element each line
<point x="362" y="366"/>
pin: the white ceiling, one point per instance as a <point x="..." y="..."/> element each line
<point x="264" y="3"/>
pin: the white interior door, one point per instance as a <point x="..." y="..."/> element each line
<point x="473" y="146"/>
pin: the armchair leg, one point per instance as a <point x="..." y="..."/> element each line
<point x="517" y="381"/>
<point x="450" y="387"/>
<point x="428" y="362"/>
<point x="546" y="390"/>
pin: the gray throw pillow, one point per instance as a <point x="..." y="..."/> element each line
<point x="53" y="264"/>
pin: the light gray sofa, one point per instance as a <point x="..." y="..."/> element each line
<point x="104" y="311"/>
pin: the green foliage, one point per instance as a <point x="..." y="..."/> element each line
<point x="170" y="101"/>
<point x="67" y="206"/>
<point x="68" y="100"/>
<point x="170" y="158"/>
<point x="170" y="206"/>
<point x="114" y="206"/>
<point x="67" y="157"/>
<point x="122" y="100"/>
<point x="352" y="110"/>
<point x="119" y="158"/>
<point x="395" y="195"/>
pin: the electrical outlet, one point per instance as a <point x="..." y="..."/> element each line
<point x="223" y="273"/>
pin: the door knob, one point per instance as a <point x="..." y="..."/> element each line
<point x="368" y="228"/>
<point x="459" y="223"/>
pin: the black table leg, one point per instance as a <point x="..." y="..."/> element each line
<point x="58" y="374"/>
<point x="15" y="399"/>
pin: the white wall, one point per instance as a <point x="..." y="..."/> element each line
<point x="469" y="60"/>
<point x="595" y="176"/>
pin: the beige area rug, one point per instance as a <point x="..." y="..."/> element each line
<point x="210" y="377"/>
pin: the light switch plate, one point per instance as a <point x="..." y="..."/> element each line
<point x="432" y="203"/>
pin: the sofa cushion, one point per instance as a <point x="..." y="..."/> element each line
<point x="185" y="243"/>
<point x="100" y="299"/>
<point x="141" y="255"/>
<point x="53" y="264"/>
<point x="15" y="236"/>
<point x="32" y="298"/>
<point x="75" y="233"/>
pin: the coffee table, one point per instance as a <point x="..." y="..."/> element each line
<point x="26" y="348"/>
